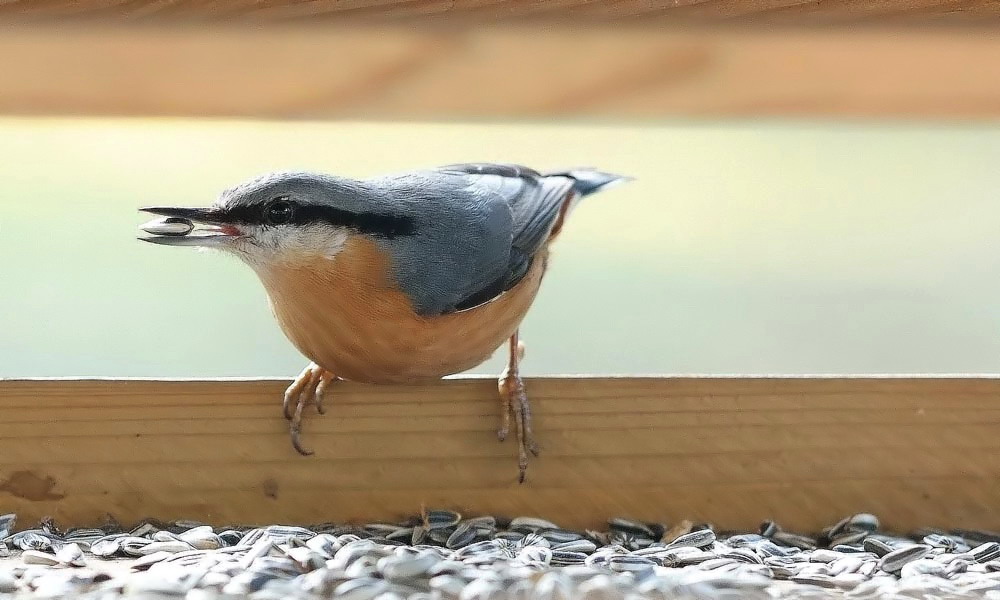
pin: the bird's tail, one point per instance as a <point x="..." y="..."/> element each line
<point x="588" y="181"/>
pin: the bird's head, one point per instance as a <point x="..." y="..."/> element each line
<point x="282" y="217"/>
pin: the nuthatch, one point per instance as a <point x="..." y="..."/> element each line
<point x="396" y="279"/>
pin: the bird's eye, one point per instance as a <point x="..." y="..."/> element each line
<point x="279" y="212"/>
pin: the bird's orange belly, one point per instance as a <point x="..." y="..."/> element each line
<point x="361" y="328"/>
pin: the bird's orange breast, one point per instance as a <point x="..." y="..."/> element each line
<point x="347" y="315"/>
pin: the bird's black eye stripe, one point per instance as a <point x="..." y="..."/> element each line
<point x="371" y="223"/>
<point x="283" y="211"/>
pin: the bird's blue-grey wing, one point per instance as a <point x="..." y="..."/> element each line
<point x="535" y="202"/>
<point x="479" y="227"/>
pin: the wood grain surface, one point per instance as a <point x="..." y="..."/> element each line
<point x="418" y="73"/>
<point x="479" y="11"/>
<point x="732" y="451"/>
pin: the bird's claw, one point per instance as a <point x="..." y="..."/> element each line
<point x="513" y="399"/>
<point x="295" y="431"/>
<point x="294" y="391"/>
<point x="308" y="388"/>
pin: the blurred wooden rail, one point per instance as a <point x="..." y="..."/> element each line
<point x="386" y="72"/>
<point x="478" y="11"/>
<point x="733" y="451"/>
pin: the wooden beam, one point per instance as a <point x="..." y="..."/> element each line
<point x="514" y="73"/>
<point x="491" y="11"/>
<point x="733" y="451"/>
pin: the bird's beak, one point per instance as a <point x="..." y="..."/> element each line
<point x="189" y="227"/>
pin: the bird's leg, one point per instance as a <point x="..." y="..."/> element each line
<point x="308" y="388"/>
<point x="514" y="400"/>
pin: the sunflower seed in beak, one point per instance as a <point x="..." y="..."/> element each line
<point x="168" y="226"/>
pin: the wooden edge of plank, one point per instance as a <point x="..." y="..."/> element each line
<point x="918" y="451"/>
<point x="447" y="73"/>
<point x="554" y="376"/>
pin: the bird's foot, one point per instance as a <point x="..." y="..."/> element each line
<point x="514" y="400"/>
<point x="505" y="396"/>
<point x="308" y="388"/>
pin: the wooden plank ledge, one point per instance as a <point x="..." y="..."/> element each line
<point x="733" y="451"/>
<point x="517" y="72"/>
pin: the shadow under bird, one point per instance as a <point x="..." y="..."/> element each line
<point x="401" y="278"/>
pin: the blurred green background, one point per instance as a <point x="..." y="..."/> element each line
<point x="740" y="248"/>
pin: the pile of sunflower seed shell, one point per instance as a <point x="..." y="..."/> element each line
<point x="438" y="555"/>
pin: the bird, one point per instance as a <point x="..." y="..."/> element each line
<point x="401" y="278"/>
